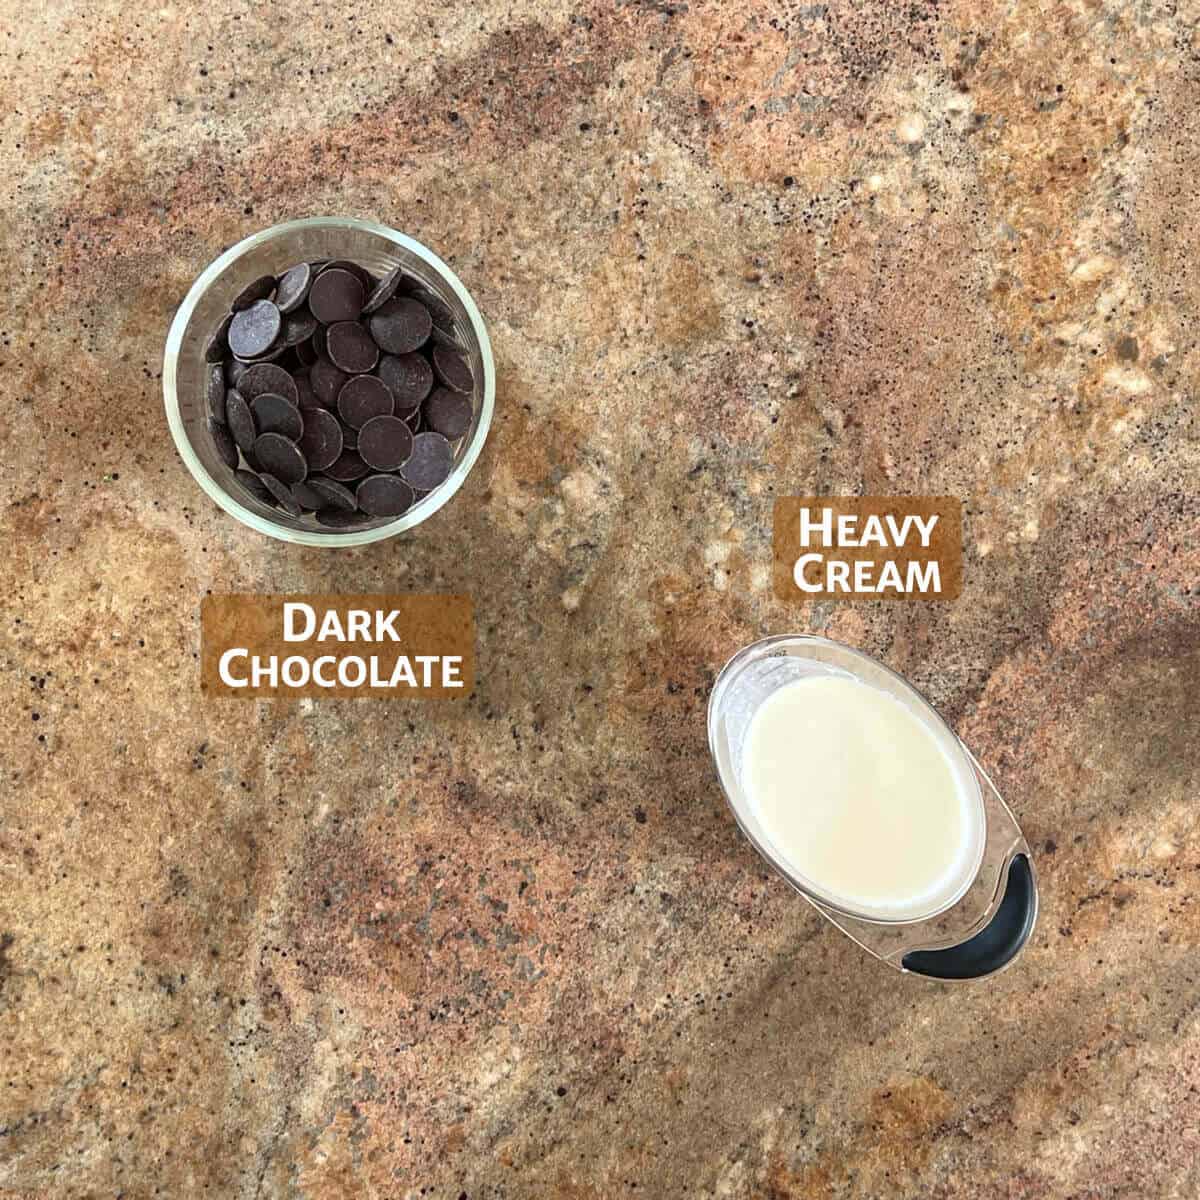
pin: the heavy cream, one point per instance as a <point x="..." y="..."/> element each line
<point x="860" y="799"/>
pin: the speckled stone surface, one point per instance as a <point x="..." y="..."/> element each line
<point x="516" y="947"/>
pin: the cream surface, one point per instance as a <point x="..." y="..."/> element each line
<point x="855" y="793"/>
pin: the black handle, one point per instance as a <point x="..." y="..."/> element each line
<point x="996" y="943"/>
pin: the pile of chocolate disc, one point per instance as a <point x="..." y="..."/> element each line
<point x="332" y="392"/>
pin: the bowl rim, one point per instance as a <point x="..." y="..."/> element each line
<point x="428" y="505"/>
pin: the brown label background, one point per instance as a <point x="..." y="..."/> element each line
<point x="443" y="625"/>
<point x="945" y="544"/>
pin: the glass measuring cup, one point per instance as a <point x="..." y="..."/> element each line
<point x="978" y="927"/>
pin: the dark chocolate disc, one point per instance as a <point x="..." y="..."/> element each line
<point x="401" y="326"/>
<point x="350" y="347"/>
<point x="281" y="492"/>
<point x="306" y="497"/>
<point x="363" y="397"/>
<point x="214" y="392"/>
<point x="430" y="462"/>
<point x="453" y="369"/>
<point x="276" y="352"/>
<point x="239" y="419"/>
<point x="344" y="264"/>
<point x="306" y="352"/>
<point x="440" y="338"/>
<point x="234" y="370"/>
<point x="336" y="295"/>
<point x="220" y="413"/>
<point x="218" y="342"/>
<point x="409" y="378"/>
<point x="260" y="289"/>
<point x="281" y="457"/>
<point x="384" y="290"/>
<point x="293" y="287"/>
<point x="321" y="441"/>
<point x="254" y="486"/>
<point x="336" y="494"/>
<point x="267" y="377"/>
<point x="448" y="413"/>
<point x="336" y="518"/>
<point x="226" y="450"/>
<point x="384" y="495"/>
<point x="327" y="381"/>
<point x="277" y="414"/>
<point x="385" y="443"/>
<point x="253" y="331"/>
<point x="298" y="327"/>
<point x="439" y="310"/>
<point x="348" y="467"/>
<point x="305" y="396"/>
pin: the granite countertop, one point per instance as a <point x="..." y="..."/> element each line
<point x="515" y="947"/>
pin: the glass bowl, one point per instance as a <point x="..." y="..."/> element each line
<point x="272" y="251"/>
